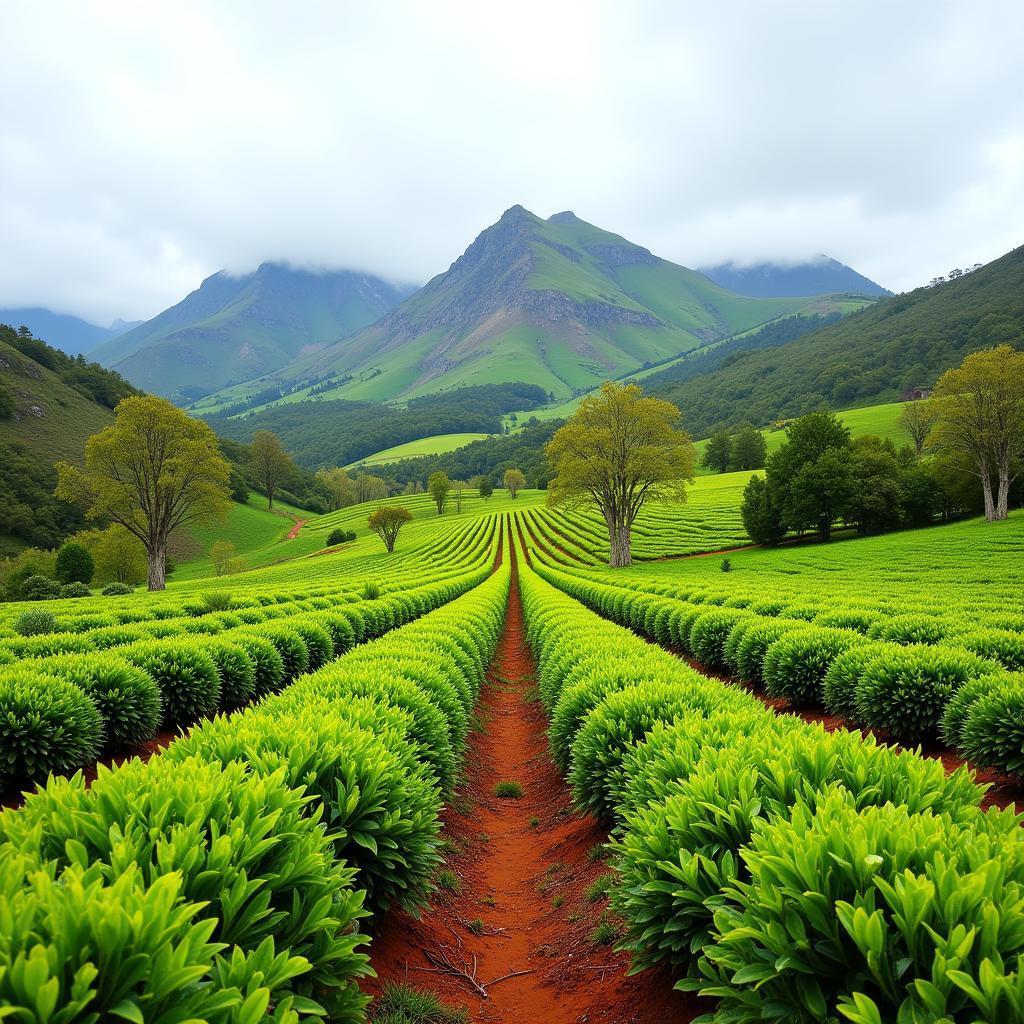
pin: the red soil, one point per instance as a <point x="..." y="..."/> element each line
<point x="511" y="877"/>
<point x="294" y="531"/>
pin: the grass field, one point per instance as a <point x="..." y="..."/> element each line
<point x="438" y="444"/>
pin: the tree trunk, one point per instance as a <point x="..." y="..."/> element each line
<point x="621" y="554"/>
<point x="270" y="498"/>
<point x="157" y="553"/>
<point x="1003" y="501"/>
<point x="986" y="490"/>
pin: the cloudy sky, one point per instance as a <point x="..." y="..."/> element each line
<point x="146" y="145"/>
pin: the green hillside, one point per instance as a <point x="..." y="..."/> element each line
<point x="868" y="358"/>
<point x="234" y="328"/>
<point x="558" y="303"/>
<point x="436" y="445"/>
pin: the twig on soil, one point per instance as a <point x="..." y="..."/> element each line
<point x="442" y="962"/>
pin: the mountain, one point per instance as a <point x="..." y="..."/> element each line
<point x="68" y="333"/>
<point x="901" y="342"/>
<point x="559" y="303"/>
<point x="820" y="276"/>
<point x="233" y="328"/>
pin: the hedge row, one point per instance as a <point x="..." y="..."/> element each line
<point x="896" y="675"/>
<point x="791" y="873"/>
<point x="226" y="878"/>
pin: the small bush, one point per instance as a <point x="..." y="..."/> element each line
<point x="993" y="731"/>
<point x="47" y="725"/>
<point x="116" y="590"/>
<point x="237" y="670"/>
<point x="40" y="588"/>
<point x="339" y="537"/>
<point x="187" y="676"/>
<point x="74" y="564"/>
<point x="35" y="623"/>
<point x="508" y="790"/>
<point x="217" y="601"/>
<point x="448" y="880"/>
<point x="795" y="665"/>
<point x="371" y="592"/>
<point x="75" y="590"/>
<point x="839" y="688"/>
<point x="726" y="565"/>
<point x="405" y="1004"/>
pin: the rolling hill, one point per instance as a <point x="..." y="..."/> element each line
<point x="870" y="357"/>
<point x="813" y="277"/>
<point x="70" y="334"/>
<point x="231" y="328"/>
<point x="559" y="303"/>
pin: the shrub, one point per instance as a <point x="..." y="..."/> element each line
<point x="905" y="691"/>
<point x="993" y="731"/>
<point x="863" y="960"/>
<point x="960" y="703"/>
<point x="709" y="633"/>
<point x="290" y="645"/>
<point x="74" y="564"/>
<point x="40" y="588"/>
<point x="187" y="677"/>
<point x="752" y="648"/>
<point x="726" y="565"/>
<point x="340" y="537"/>
<point x="999" y="644"/>
<point x="795" y="665"/>
<point x="319" y="644"/>
<point x="839" y="688"/>
<point x="216" y="601"/>
<point x="34" y="623"/>
<point x="127" y="697"/>
<point x="236" y="668"/>
<point x="909" y="629"/>
<point x="371" y="591"/>
<point x="246" y="846"/>
<point x="70" y="590"/>
<point x="47" y="725"/>
<point x="508" y="790"/>
<point x="268" y="663"/>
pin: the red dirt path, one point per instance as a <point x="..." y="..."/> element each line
<point x="513" y="874"/>
<point x="294" y="531"/>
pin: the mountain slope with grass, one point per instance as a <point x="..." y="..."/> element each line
<point x="558" y="303"/>
<point x="902" y="342"/>
<point x="812" y="277"/>
<point x="233" y="328"/>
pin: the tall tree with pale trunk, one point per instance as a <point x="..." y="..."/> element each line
<point x="154" y="470"/>
<point x="619" y="451"/>
<point x="918" y="418"/>
<point x="271" y="465"/>
<point x="981" y="415"/>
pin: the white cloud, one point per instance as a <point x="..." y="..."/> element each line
<point x="145" y="145"/>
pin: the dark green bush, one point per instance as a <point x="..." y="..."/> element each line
<point x="992" y="734"/>
<point x="34" y="623"/>
<point x="317" y="639"/>
<point x="960" y="703"/>
<point x="40" y="588"/>
<point x="905" y="691"/>
<point x="290" y="645"/>
<point x="46" y="725"/>
<point x="340" y="536"/>
<point x="909" y="629"/>
<point x="709" y="633"/>
<point x="74" y="564"/>
<point x="216" y="601"/>
<point x="267" y="662"/>
<point x="999" y="644"/>
<point x="752" y="648"/>
<point x="71" y="590"/>
<point x="116" y="590"/>
<point x="187" y="676"/>
<point x="237" y="670"/>
<point x="127" y="697"/>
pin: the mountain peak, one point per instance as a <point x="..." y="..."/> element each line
<point x="565" y="217"/>
<point x="514" y="213"/>
<point x="818" y="275"/>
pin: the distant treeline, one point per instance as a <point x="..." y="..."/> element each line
<point x="336" y="433"/>
<point x="489" y="457"/>
<point x="874" y="355"/>
<point x="97" y="383"/>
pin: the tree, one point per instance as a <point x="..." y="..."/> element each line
<point x="154" y="470"/>
<point x="513" y="480"/>
<point x="458" y="486"/>
<point x="484" y="487"/>
<point x="981" y="414"/>
<point x="762" y="512"/>
<point x="619" y="451"/>
<point x="917" y="419"/>
<point x="74" y="564"/>
<point x="386" y="521"/>
<point x="749" y="448"/>
<point x="369" y="488"/>
<point x="718" y="453"/>
<point x="271" y="465"/>
<point x="238" y="485"/>
<point x="820" y="492"/>
<point x="340" y="489"/>
<point x="221" y="554"/>
<point x="876" y="501"/>
<point x="119" y="556"/>
<point x="439" y="485"/>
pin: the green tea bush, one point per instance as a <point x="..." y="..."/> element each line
<point x="268" y="664"/>
<point x="993" y="731"/>
<point x="319" y="644"/>
<point x="236" y="668"/>
<point x="246" y="846"/>
<point x="127" y="697"/>
<point x="47" y="725"/>
<point x="709" y="633"/>
<point x="187" y="676"/>
<point x="753" y="647"/>
<point x="795" y="665"/>
<point x="998" y="644"/>
<point x="960" y="703"/>
<point x="290" y="645"/>
<point x="34" y="623"/>
<point x="905" y="692"/>
<point x="909" y="629"/>
<point x="839" y="687"/>
<point x="885" y="902"/>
